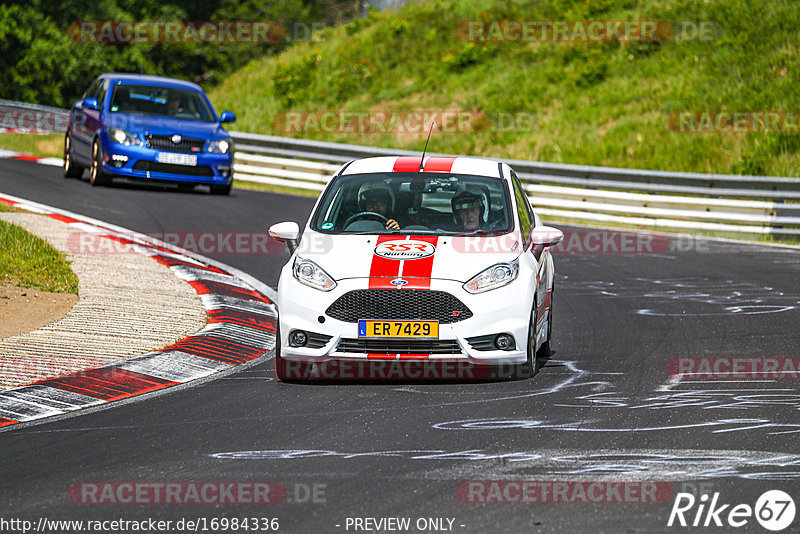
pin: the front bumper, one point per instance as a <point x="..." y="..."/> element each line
<point x="141" y="165"/>
<point x="503" y="310"/>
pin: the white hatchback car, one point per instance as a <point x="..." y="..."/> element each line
<point x="444" y="261"/>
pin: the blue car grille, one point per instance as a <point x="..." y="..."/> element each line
<point x="164" y="142"/>
<point x="169" y="168"/>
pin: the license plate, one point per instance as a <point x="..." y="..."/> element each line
<point x="177" y="159"/>
<point x="415" y="329"/>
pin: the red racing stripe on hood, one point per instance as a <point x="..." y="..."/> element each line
<point x="418" y="272"/>
<point x="383" y="269"/>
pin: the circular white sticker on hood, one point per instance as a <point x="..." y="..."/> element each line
<point x="404" y="249"/>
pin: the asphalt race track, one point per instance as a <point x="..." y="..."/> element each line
<point x="603" y="409"/>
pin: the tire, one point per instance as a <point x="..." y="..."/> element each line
<point x="71" y="170"/>
<point x="280" y="363"/>
<point x="221" y="189"/>
<point x="96" y="175"/>
<point x="531" y="366"/>
<point x="545" y="351"/>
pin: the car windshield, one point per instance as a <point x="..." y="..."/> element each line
<point x="162" y="102"/>
<point x="420" y="203"/>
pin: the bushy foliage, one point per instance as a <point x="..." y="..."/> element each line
<point x="43" y="64"/>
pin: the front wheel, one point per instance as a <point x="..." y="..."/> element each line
<point x="545" y="351"/>
<point x="221" y="189"/>
<point x="70" y="169"/>
<point x="97" y="176"/>
<point x="532" y="364"/>
<point x="280" y="363"/>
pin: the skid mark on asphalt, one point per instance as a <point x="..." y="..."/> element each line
<point x="562" y="464"/>
<point x="701" y="296"/>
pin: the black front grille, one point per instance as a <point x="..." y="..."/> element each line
<point x="398" y="304"/>
<point x="164" y="142"/>
<point x="399" y="346"/>
<point x="169" y="168"/>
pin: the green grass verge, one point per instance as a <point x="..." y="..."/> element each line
<point x="12" y="209"/>
<point x="29" y="261"/>
<point x="48" y="145"/>
<point x="269" y="188"/>
<point x="596" y="103"/>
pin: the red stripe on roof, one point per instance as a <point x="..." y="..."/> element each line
<point x="6" y="422"/>
<point x="439" y="164"/>
<point x="407" y="164"/>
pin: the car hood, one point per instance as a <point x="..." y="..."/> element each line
<point x="397" y="255"/>
<point x="167" y="126"/>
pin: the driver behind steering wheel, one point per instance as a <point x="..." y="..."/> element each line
<point x="377" y="197"/>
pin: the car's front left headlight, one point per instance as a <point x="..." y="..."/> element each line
<point x="118" y="135"/>
<point x="309" y="273"/>
<point x="495" y="276"/>
<point x="220" y="146"/>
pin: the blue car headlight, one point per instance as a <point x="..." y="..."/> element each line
<point x="221" y="146"/>
<point x="118" y="135"/>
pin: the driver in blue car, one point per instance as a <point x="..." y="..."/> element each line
<point x="174" y="103"/>
<point x="377" y="197"/>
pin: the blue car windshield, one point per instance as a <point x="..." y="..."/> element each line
<point x="161" y="102"/>
<point x="420" y="203"/>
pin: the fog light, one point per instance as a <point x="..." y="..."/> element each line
<point x="119" y="160"/>
<point x="224" y="171"/>
<point x="503" y="341"/>
<point x="298" y="338"/>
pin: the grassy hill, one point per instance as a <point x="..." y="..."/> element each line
<point x="599" y="103"/>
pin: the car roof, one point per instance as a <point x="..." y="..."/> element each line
<point x="448" y="164"/>
<point x="149" y="80"/>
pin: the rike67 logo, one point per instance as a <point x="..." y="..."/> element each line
<point x="774" y="510"/>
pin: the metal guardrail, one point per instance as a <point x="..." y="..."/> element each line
<point x="687" y="201"/>
<point x="21" y="117"/>
<point x="715" y="202"/>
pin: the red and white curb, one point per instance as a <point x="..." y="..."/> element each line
<point x="10" y="154"/>
<point x="242" y="322"/>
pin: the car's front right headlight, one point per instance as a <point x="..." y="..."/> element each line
<point x="495" y="276"/>
<point x="309" y="273"/>
<point x="118" y="135"/>
<point x="221" y="146"/>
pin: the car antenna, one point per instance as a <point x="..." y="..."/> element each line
<point x="422" y="159"/>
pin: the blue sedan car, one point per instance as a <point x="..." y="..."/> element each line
<point x="149" y="128"/>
